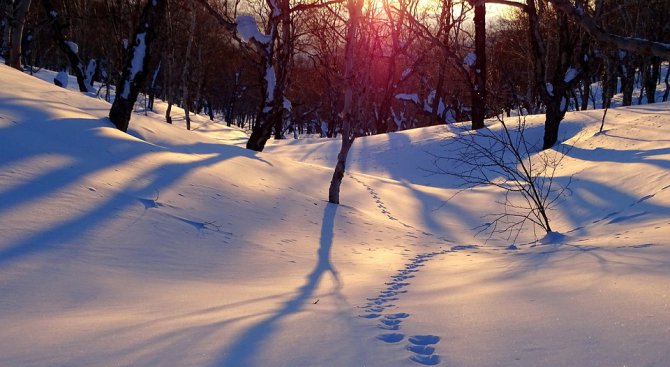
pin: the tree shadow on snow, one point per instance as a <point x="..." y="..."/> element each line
<point x="108" y="153"/>
<point x="251" y="342"/>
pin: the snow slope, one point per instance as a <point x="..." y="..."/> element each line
<point x="164" y="247"/>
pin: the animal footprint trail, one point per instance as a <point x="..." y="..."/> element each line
<point x="380" y="204"/>
<point x="421" y="347"/>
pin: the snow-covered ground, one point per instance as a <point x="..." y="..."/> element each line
<point x="165" y="247"/>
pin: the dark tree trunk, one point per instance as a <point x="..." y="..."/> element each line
<point x="650" y="79"/>
<point x="628" y="83"/>
<point x="553" y="118"/>
<point x="279" y="124"/>
<point x="58" y="28"/>
<point x="5" y="18"/>
<point x="553" y="84"/>
<point x="185" y="104"/>
<point x="667" y="85"/>
<point x="479" y="87"/>
<point x="586" y="91"/>
<point x="435" y="108"/>
<point x="16" y="25"/>
<point x="137" y="64"/>
<point x="340" y="166"/>
<point x="261" y="133"/>
<point x="168" y="113"/>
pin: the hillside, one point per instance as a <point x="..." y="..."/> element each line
<point x="164" y="247"/>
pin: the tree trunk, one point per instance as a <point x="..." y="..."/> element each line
<point x="262" y="132"/>
<point x="586" y="84"/>
<point x="667" y="85"/>
<point x="16" y="33"/>
<point x="58" y="28"/>
<point x="651" y="77"/>
<point x="348" y="135"/>
<point x="137" y="64"/>
<point x="553" y="117"/>
<point x="184" y="70"/>
<point x="628" y="83"/>
<point x="479" y="87"/>
<point x="168" y="112"/>
<point x="435" y="108"/>
<point x="340" y="166"/>
<point x="5" y="18"/>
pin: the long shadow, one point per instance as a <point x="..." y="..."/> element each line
<point x="160" y="178"/>
<point x="45" y="140"/>
<point x="251" y="342"/>
<point x="650" y="156"/>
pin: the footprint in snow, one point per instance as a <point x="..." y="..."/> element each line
<point x="420" y="345"/>
<point x="395" y="316"/>
<point x="425" y="350"/>
<point x="391" y="338"/>
<point x="424" y="339"/>
<point x="428" y="360"/>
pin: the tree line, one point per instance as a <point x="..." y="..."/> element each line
<point x="347" y="67"/>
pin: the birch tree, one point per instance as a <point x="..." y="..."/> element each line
<point x="137" y="64"/>
<point x="354" y="7"/>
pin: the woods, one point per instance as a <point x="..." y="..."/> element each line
<point x="279" y="66"/>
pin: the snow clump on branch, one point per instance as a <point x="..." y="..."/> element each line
<point x="248" y="29"/>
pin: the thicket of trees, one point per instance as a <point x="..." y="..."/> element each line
<point x="275" y="66"/>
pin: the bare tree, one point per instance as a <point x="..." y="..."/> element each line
<point x="349" y="115"/>
<point x="503" y="157"/>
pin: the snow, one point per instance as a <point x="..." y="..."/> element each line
<point x="90" y="73"/>
<point x="470" y="59"/>
<point x="248" y="30"/>
<point x="550" y="89"/>
<point x="570" y="75"/>
<point x="406" y="73"/>
<point x="271" y="81"/>
<point x="412" y="97"/>
<point x="167" y="247"/>
<point x="62" y="78"/>
<point x="276" y="10"/>
<point x="73" y="46"/>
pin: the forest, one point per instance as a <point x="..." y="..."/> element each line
<point x="277" y="67"/>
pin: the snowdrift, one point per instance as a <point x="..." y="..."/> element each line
<point x="164" y="247"/>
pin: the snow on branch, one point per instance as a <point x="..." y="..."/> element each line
<point x="247" y="28"/>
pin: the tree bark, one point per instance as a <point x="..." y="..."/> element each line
<point x="667" y="85"/>
<point x="16" y="25"/>
<point x="479" y="86"/>
<point x="651" y="77"/>
<point x="628" y="82"/>
<point x="184" y="71"/>
<point x="57" y="29"/>
<point x="348" y="135"/>
<point x="137" y="64"/>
